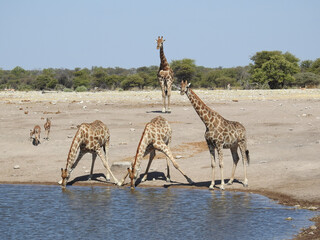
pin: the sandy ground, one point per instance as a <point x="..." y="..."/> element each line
<point x="283" y="131"/>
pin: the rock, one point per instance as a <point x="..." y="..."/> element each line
<point x="123" y="143"/>
<point x="313" y="227"/>
<point x="121" y="164"/>
<point x="312" y="208"/>
<point x="132" y="129"/>
<point x="178" y="156"/>
<point x="16" y="167"/>
<point x="290" y="129"/>
<point x="289" y="218"/>
<point x="84" y="107"/>
<point x="86" y="171"/>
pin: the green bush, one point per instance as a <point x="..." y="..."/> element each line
<point x="67" y="90"/>
<point x="81" y="89"/>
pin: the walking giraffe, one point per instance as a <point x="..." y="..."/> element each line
<point x="90" y="138"/>
<point x="220" y="133"/>
<point x="165" y="76"/>
<point x="156" y="136"/>
<point x="36" y="132"/>
<point x="47" y="127"/>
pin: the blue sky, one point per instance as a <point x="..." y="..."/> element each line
<point x="37" y="34"/>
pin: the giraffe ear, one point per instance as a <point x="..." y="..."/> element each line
<point x="189" y="84"/>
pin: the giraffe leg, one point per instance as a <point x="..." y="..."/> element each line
<point x="169" y="95"/>
<point x="168" y="171"/>
<point x="105" y="163"/>
<point x="152" y="155"/>
<point x="167" y="159"/>
<point x="243" y="150"/>
<point x="94" y="156"/>
<point x="235" y="158"/>
<point x="220" y="156"/>
<point x="162" y="147"/>
<point x="106" y="153"/>
<point x="213" y="162"/>
<point x="163" y="95"/>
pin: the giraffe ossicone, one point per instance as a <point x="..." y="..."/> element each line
<point x="220" y="133"/>
<point x="90" y="138"/>
<point x="156" y="136"/>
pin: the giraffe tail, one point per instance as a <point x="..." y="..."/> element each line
<point x="248" y="157"/>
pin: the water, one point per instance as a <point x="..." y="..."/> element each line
<point x="47" y="212"/>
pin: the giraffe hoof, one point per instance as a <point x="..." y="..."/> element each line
<point x="245" y="185"/>
<point x="163" y="110"/>
<point x="222" y="187"/>
<point x="169" y="111"/>
<point x="168" y="179"/>
<point x="211" y="187"/>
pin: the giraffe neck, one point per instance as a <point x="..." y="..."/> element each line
<point x="140" y="150"/>
<point x="73" y="150"/>
<point x="206" y="114"/>
<point x="164" y="65"/>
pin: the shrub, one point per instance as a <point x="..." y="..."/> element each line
<point x="81" y="89"/>
<point x="67" y="90"/>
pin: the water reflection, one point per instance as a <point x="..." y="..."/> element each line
<point x="40" y="212"/>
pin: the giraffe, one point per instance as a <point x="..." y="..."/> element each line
<point x="165" y="76"/>
<point x="156" y="136"/>
<point x="220" y="133"/>
<point x="36" y="132"/>
<point x="47" y="127"/>
<point x="90" y="138"/>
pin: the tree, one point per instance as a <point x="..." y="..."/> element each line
<point x="18" y="71"/>
<point x="261" y="57"/>
<point x="41" y="81"/>
<point x="307" y="79"/>
<point x="132" y="81"/>
<point x="315" y="67"/>
<point x="305" y="66"/>
<point x="82" y="78"/>
<point x="183" y="69"/>
<point x="274" y="69"/>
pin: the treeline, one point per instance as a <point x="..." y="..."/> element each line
<point x="270" y="69"/>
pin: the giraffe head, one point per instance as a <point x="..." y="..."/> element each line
<point x="159" y="42"/>
<point x="184" y="87"/>
<point x="132" y="177"/>
<point x="64" y="176"/>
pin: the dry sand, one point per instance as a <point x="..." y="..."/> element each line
<point x="283" y="131"/>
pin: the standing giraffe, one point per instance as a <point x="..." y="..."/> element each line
<point x="165" y="76"/>
<point x="156" y="136"/>
<point x="47" y="127"/>
<point x="220" y="133"/>
<point x="90" y="138"/>
<point x="36" y="132"/>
